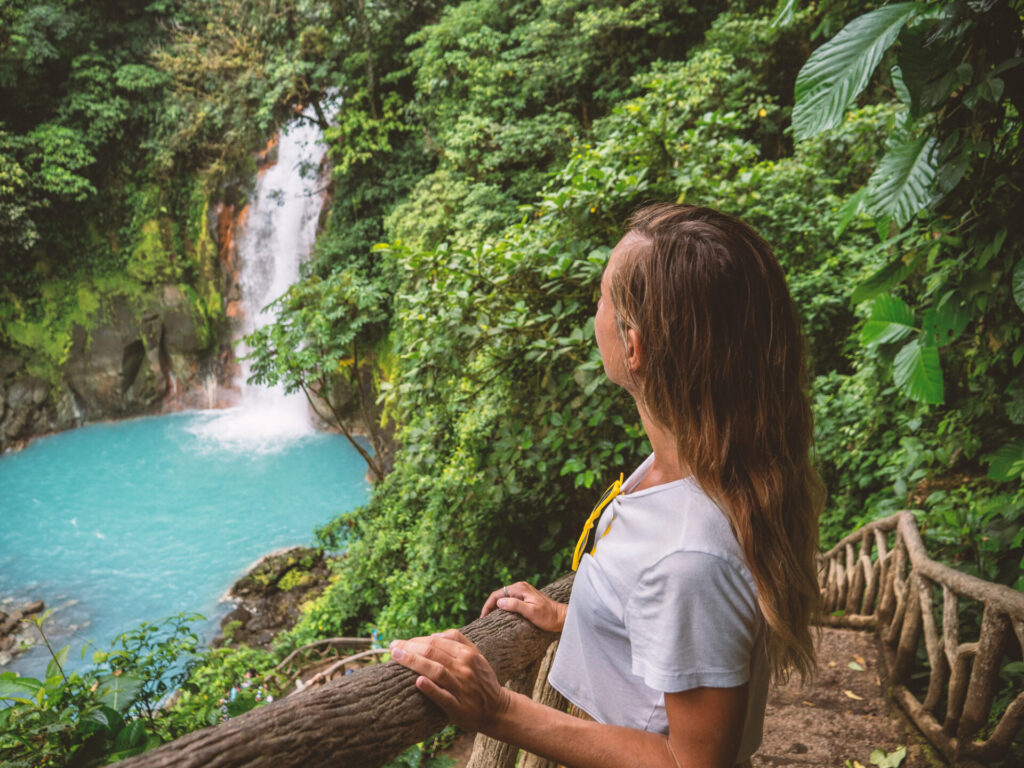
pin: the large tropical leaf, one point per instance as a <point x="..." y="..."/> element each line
<point x="891" y="320"/>
<point x="944" y="322"/>
<point x="840" y="69"/>
<point x="902" y="184"/>
<point x="1008" y="462"/>
<point x="918" y="374"/>
<point x="886" y="277"/>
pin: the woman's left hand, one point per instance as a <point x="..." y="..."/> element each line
<point x="455" y="676"/>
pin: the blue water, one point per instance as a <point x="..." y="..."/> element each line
<point x="114" y="524"/>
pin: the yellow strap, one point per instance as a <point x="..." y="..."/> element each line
<point x="606" y="498"/>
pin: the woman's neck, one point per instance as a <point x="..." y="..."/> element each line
<point x="667" y="466"/>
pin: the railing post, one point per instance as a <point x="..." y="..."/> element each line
<point x="910" y="632"/>
<point x="491" y="753"/>
<point x="549" y="697"/>
<point x="995" y="630"/>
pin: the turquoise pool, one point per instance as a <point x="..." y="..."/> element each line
<point x="113" y="524"/>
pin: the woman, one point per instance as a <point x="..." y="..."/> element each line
<point x="702" y="580"/>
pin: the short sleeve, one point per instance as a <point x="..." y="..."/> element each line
<point x="692" y="622"/>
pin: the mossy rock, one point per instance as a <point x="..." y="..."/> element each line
<point x="153" y="259"/>
<point x="282" y="572"/>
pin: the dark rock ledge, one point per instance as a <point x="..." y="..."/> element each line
<point x="16" y="633"/>
<point x="270" y="596"/>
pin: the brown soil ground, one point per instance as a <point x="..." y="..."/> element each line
<point x="842" y="716"/>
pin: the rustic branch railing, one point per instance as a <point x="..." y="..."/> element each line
<point x="360" y="720"/>
<point x="881" y="577"/>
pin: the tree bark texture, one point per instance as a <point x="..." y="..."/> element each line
<point x="361" y="720"/>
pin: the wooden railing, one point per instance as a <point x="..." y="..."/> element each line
<point x="359" y="720"/>
<point x="881" y="577"/>
<point x="878" y="578"/>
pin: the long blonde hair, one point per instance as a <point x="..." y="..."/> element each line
<point x="725" y="371"/>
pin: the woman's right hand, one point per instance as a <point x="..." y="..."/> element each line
<point x="530" y="603"/>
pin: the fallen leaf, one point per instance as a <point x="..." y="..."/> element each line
<point x="854" y="696"/>
<point x="855" y="666"/>
<point x="831" y="663"/>
<point x="857" y="764"/>
<point x="808" y="704"/>
<point x="884" y="759"/>
<point x="860" y="660"/>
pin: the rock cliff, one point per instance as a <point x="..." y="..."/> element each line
<point x="137" y="348"/>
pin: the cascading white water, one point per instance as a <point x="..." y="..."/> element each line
<point x="278" y="235"/>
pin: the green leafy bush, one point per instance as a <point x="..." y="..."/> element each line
<point x="104" y="713"/>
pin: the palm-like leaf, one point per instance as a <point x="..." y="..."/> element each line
<point x="840" y="69"/>
<point x="902" y="184"/>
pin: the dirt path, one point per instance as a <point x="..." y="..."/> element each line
<point x="842" y="717"/>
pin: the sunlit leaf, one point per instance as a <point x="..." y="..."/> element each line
<point x="884" y="759"/>
<point x="13" y="686"/>
<point x="785" y="15"/>
<point x="54" y="670"/>
<point x="839" y="70"/>
<point x="118" y="692"/>
<point x="853" y="206"/>
<point x="891" y="320"/>
<point x="900" y="86"/>
<point x="918" y="374"/>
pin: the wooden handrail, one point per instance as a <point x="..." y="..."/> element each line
<point x="879" y="577"/>
<point x="363" y="719"/>
<point x="866" y="583"/>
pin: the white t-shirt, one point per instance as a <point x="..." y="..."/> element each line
<point x="665" y="604"/>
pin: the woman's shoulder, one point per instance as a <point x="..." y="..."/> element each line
<point x="693" y="531"/>
<point x="684" y="515"/>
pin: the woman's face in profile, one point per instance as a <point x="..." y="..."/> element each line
<point x="610" y="340"/>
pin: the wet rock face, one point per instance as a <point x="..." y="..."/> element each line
<point x="136" y="356"/>
<point x="22" y="407"/>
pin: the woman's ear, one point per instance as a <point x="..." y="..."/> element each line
<point x="634" y="351"/>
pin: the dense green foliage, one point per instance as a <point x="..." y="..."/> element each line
<point x="108" y="712"/>
<point x="484" y="157"/>
<point x="505" y="420"/>
<point x="121" y="122"/>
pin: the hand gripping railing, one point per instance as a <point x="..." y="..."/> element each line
<point x="360" y="720"/>
<point x="868" y="582"/>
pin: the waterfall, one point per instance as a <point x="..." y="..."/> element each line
<point x="278" y="235"/>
